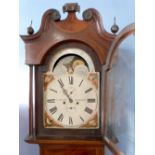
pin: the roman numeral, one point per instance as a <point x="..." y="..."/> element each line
<point x="53" y="90"/>
<point x="53" y="110"/>
<point x="70" y="80"/>
<point x="91" y="100"/>
<point x="81" y="119"/>
<point x="80" y="83"/>
<point x="51" y="101"/>
<point x="88" y="90"/>
<point x="70" y="120"/>
<point x="61" y="83"/>
<point x="60" y="118"/>
<point x="88" y="110"/>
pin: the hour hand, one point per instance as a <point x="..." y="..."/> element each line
<point x="65" y="92"/>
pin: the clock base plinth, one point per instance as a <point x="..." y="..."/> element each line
<point x="68" y="147"/>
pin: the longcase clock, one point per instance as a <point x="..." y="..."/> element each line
<point x="67" y="104"/>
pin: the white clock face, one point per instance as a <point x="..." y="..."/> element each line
<point x="71" y="100"/>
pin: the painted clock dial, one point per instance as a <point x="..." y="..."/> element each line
<point x="71" y="92"/>
<point x="71" y="100"/>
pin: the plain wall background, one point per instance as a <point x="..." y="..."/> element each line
<point x="33" y="10"/>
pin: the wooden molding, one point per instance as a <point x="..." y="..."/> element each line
<point x="34" y="140"/>
<point x="53" y="32"/>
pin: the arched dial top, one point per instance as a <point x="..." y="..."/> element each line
<point x="74" y="52"/>
<point x="71" y="100"/>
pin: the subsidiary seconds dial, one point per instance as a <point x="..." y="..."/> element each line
<point x="71" y="100"/>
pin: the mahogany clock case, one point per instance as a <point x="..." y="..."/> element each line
<point x="55" y="34"/>
<point x="63" y="133"/>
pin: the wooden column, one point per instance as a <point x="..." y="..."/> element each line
<point x="30" y="100"/>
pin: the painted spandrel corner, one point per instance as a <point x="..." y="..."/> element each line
<point x="80" y="60"/>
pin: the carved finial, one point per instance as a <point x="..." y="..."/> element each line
<point x="56" y="15"/>
<point x="87" y="15"/>
<point x="71" y="7"/>
<point x="30" y="29"/>
<point x="114" y="28"/>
